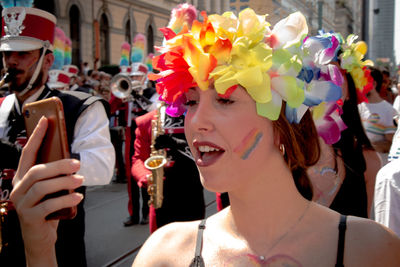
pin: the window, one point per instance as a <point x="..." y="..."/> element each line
<point x="150" y="40"/>
<point x="104" y="40"/>
<point x="74" y="29"/>
<point x="128" y="31"/>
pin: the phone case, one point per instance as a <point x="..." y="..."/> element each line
<point x="55" y="142"/>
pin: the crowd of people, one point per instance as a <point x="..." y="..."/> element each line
<point x="297" y="135"/>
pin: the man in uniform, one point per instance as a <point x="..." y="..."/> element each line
<point x="26" y="44"/>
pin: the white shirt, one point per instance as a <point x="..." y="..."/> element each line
<point x="91" y="141"/>
<point x="387" y="196"/>
<point x="377" y="119"/>
<point x="396" y="104"/>
<point x="394" y="152"/>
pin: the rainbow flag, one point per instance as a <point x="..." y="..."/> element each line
<point x="138" y="46"/>
<point x="125" y="47"/>
<point x="68" y="51"/>
<point x="149" y="61"/>
<point x="59" y="46"/>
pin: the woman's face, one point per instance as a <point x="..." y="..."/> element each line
<point x="228" y="139"/>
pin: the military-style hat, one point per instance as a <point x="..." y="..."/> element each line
<point x="26" y="29"/>
<point x="58" y="79"/>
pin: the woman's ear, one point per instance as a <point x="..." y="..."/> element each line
<point x="277" y="137"/>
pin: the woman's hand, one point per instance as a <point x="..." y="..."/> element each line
<point x="31" y="183"/>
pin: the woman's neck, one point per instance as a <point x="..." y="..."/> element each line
<point x="265" y="213"/>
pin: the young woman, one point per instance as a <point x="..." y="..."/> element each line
<point x="344" y="177"/>
<point x="236" y="86"/>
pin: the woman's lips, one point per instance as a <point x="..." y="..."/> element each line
<point x="207" y="153"/>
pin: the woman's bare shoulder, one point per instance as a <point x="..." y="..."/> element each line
<point x="171" y="245"/>
<point x="369" y="243"/>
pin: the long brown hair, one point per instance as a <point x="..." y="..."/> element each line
<point x="302" y="148"/>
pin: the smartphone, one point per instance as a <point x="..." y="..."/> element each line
<point x="55" y="142"/>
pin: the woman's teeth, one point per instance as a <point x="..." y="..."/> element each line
<point x="207" y="149"/>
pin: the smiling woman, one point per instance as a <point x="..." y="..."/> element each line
<point x="250" y="131"/>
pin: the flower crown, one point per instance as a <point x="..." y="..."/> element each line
<point x="352" y="61"/>
<point x="232" y="51"/>
<point x="323" y="84"/>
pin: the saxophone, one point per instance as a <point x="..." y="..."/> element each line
<point x="155" y="163"/>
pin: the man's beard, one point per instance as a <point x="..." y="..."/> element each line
<point x="19" y="88"/>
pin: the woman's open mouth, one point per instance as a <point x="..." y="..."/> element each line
<point x="207" y="153"/>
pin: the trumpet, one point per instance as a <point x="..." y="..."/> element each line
<point x="122" y="87"/>
<point x="155" y="163"/>
<point x="128" y="90"/>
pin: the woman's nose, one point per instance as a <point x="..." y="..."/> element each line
<point x="202" y="119"/>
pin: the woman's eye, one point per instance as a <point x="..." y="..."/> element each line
<point x="190" y="103"/>
<point x="225" y="101"/>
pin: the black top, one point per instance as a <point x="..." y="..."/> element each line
<point x="199" y="262"/>
<point x="351" y="198"/>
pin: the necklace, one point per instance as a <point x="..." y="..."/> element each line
<point x="262" y="258"/>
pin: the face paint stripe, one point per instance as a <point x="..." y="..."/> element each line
<point x="240" y="148"/>
<point x="248" y="144"/>
<point x="252" y="147"/>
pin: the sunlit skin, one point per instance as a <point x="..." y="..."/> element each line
<point x="226" y="123"/>
<point x="248" y="144"/>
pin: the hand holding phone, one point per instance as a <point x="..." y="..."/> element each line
<point x="55" y="142"/>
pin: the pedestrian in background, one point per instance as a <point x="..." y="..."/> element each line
<point x="378" y="117"/>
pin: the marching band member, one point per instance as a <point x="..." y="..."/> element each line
<point x="26" y="44"/>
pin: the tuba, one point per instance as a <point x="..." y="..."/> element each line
<point x="155" y="163"/>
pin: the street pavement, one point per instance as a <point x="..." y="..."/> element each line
<point x="108" y="242"/>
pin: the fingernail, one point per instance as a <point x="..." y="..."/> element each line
<point x="79" y="177"/>
<point x="79" y="196"/>
<point x="75" y="163"/>
<point x="42" y="118"/>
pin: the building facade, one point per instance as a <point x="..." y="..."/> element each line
<point x="381" y="30"/>
<point x="344" y="16"/>
<point x="97" y="28"/>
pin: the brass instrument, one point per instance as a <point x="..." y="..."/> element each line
<point x="129" y="90"/>
<point x="155" y="163"/>
<point x="122" y="87"/>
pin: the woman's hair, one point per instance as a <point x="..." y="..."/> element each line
<point x="302" y="148"/>
<point x="351" y="115"/>
<point x="378" y="78"/>
<point x="353" y="139"/>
